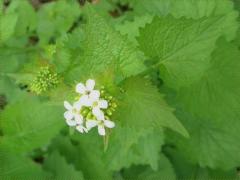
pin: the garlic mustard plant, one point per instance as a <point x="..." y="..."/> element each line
<point x="93" y="108"/>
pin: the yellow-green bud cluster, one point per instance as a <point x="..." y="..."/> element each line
<point x="45" y="80"/>
<point x="86" y="112"/>
<point x="112" y="103"/>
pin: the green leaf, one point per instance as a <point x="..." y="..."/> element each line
<point x="10" y="91"/>
<point x="186" y="170"/>
<point x="164" y="171"/>
<point x="26" y="16"/>
<point x="182" y="8"/>
<point x="104" y="49"/>
<point x="142" y="106"/>
<point x="182" y="46"/>
<point x="126" y="147"/>
<point x="237" y="4"/>
<point x="131" y="28"/>
<point x="219" y="86"/>
<point x="67" y="51"/>
<point x="57" y="17"/>
<point x="237" y="40"/>
<point x="57" y="165"/>
<point x="86" y="158"/>
<point x="19" y="167"/>
<point x="29" y="124"/>
<point x="209" y="109"/>
<point x="12" y="59"/>
<point x="129" y="146"/>
<point x="7" y="26"/>
<point x="177" y="8"/>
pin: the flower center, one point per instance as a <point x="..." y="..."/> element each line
<point x="101" y="123"/>
<point x="95" y="104"/>
<point x="88" y="92"/>
<point x="75" y="111"/>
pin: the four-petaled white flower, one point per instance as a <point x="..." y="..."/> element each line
<point x="87" y="92"/>
<point x="101" y="125"/>
<point x="98" y="104"/>
<point x="73" y="116"/>
<point x="89" y="98"/>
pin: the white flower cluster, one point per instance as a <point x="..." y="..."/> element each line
<point x="88" y="111"/>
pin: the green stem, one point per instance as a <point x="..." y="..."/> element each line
<point x="105" y="141"/>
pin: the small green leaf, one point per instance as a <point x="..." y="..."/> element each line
<point x="19" y="167"/>
<point x="131" y="28"/>
<point x="26" y="16"/>
<point x="57" y="165"/>
<point x="7" y="26"/>
<point x="57" y="17"/>
<point x="186" y="170"/>
<point x="164" y="171"/>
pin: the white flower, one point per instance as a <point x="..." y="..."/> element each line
<point x="98" y="104"/>
<point x="88" y="93"/>
<point x="73" y="113"/>
<point x="73" y="116"/>
<point x="101" y="125"/>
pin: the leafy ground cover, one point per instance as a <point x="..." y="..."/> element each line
<point x="119" y="89"/>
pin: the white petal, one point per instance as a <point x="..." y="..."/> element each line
<point x="103" y="104"/>
<point x="85" y="129"/>
<point x="94" y="95"/>
<point x="78" y="119"/>
<point x="101" y="130"/>
<point x="77" y="105"/>
<point x="67" y="105"/>
<point x="71" y="122"/>
<point x="81" y="129"/>
<point x="98" y="113"/>
<point x="85" y="101"/>
<point x="80" y="88"/>
<point x="90" y="84"/>
<point x="68" y="115"/>
<point x="109" y="124"/>
<point x="91" y="123"/>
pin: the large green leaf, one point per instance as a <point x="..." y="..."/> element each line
<point x="104" y="49"/>
<point x="142" y="106"/>
<point x="209" y="109"/>
<point x="29" y="124"/>
<point x="182" y="46"/>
